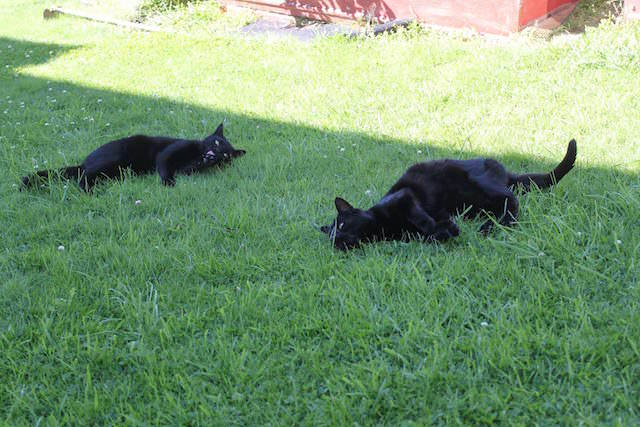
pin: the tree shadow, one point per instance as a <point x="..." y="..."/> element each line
<point x="282" y="157"/>
<point x="238" y="252"/>
<point x="21" y="53"/>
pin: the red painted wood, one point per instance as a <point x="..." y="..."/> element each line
<point x="490" y="16"/>
<point x="534" y="10"/>
<point x="632" y="9"/>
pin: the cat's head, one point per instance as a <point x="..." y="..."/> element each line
<point x="351" y="227"/>
<point x="216" y="148"/>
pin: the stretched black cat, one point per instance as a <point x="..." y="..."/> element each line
<point x="143" y="154"/>
<point x="422" y="201"/>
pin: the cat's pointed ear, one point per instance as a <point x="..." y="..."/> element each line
<point x="219" y="130"/>
<point x="238" y="153"/>
<point x="342" y="205"/>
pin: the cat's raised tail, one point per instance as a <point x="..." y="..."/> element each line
<point x="544" y="180"/>
<point x="69" y="172"/>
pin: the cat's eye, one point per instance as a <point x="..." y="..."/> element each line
<point x="340" y="226"/>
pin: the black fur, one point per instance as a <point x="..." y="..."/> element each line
<point x="143" y="154"/>
<point x="423" y="200"/>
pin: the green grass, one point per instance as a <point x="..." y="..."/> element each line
<point x="219" y="302"/>
<point x="202" y="17"/>
<point x="116" y="9"/>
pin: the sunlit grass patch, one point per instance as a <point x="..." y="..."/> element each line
<point x="220" y="301"/>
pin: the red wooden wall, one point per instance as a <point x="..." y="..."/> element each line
<point x="490" y="16"/>
<point x="632" y="9"/>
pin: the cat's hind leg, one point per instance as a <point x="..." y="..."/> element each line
<point x="86" y="181"/>
<point x="444" y="230"/>
<point x="503" y="204"/>
<point x="429" y="228"/>
<point x="491" y="195"/>
<point x="91" y="171"/>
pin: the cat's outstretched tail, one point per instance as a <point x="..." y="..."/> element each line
<point x="69" y="172"/>
<point x="544" y="180"/>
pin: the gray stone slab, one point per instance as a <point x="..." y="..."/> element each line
<point x="287" y="27"/>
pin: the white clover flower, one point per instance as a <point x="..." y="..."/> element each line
<point x="61" y="248"/>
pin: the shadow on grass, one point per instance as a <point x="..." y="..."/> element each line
<point x="21" y="53"/>
<point x="60" y="123"/>
<point x="251" y="293"/>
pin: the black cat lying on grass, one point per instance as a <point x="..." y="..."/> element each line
<point x="143" y="154"/>
<point x="423" y="200"/>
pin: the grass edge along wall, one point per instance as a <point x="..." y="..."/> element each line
<point x="485" y="16"/>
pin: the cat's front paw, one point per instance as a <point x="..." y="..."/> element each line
<point x="452" y="228"/>
<point x="486" y="227"/>
<point x="444" y="230"/>
<point x="169" y="182"/>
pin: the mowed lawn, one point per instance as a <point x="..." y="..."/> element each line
<point x="219" y="301"/>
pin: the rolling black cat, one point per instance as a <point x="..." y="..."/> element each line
<point x="423" y="200"/>
<point x="144" y="154"/>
